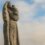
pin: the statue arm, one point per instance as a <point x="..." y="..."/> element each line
<point x="5" y="13"/>
<point x="13" y="13"/>
<point x="16" y="16"/>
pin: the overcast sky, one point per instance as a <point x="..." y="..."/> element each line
<point x="31" y="22"/>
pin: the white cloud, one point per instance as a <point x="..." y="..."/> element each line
<point x="1" y="16"/>
<point x="31" y="33"/>
<point x="39" y="1"/>
<point x="26" y="11"/>
<point x="35" y="29"/>
<point x="1" y="30"/>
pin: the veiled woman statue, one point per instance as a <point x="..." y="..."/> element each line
<point x="10" y="17"/>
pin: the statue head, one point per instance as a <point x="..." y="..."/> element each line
<point x="12" y="11"/>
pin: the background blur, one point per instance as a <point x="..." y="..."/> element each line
<point x="31" y="22"/>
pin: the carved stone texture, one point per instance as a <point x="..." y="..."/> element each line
<point x="10" y="17"/>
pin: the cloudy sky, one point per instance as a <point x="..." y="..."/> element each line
<point x="31" y="22"/>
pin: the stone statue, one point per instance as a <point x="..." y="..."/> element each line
<point x="10" y="17"/>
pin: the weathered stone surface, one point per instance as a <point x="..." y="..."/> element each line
<point x="10" y="17"/>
